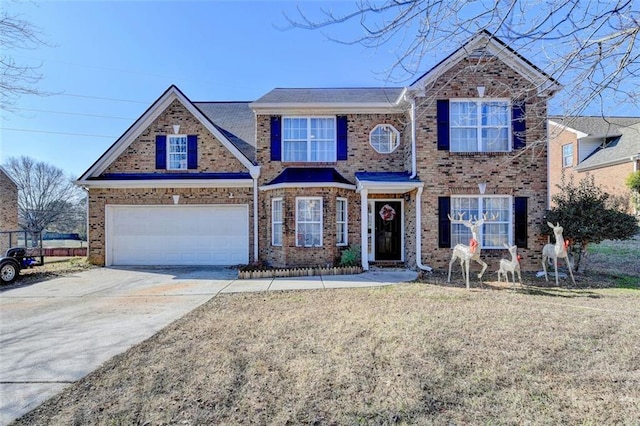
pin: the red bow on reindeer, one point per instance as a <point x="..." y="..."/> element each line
<point x="473" y="245"/>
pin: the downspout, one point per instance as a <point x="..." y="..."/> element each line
<point x="419" y="232"/>
<point x="414" y="168"/>
<point x="364" y="228"/>
<point x="255" y="174"/>
<point x="414" y="173"/>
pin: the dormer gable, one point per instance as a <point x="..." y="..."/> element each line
<point x="486" y="45"/>
<point x="171" y="98"/>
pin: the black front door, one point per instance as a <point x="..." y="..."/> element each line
<point x="388" y="234"/>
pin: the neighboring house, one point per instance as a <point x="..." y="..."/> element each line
<point x="607" y="148"/>
<point x="296" y="176"/>
<point x="8" y="208"/>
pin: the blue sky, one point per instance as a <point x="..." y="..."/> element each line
<point x="108" y="61"/>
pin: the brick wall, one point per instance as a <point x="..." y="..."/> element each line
<point x="8" y="209"/>
<point x="140" y="156"/>
<point x="361" y="155"/>
<point x="520" y="173"/>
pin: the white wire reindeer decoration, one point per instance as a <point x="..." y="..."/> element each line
<point x="556" y="251"/>
<point x="512" y="265"/>
<point x="467" y="253"/>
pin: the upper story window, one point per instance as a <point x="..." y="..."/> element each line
<point x="309" y="139"/>
<point x="495" y="231"/>
<point x="479" y="125"/>
<point x="177" y="152"/>
<point x="384" y="138"/>
<point x="567" y="155"/>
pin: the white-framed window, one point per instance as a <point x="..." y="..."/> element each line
<point x="276" y="222"/>
<point x="480" y="125"/>
<point x="177" y="152"/>
<point x="495" y="231"/>
<point x="384" y="138"/>
<point x="309" y="139"/>
<point x="309" y="221"/>
<point x="567" y="155"/>
<point x="341" y="222"/>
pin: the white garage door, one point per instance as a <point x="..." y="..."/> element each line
<point x="177" y="235"/>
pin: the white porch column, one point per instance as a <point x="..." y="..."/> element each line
<point x="364" y="228"/>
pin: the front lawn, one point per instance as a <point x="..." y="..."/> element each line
<point x="413" y="354"/>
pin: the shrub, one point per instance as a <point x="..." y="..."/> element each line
<point x="350" y="256"/>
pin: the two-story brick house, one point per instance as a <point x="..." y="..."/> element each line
<point x="297" y="175"/>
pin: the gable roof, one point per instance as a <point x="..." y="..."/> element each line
<point x="142" y="123"/>
<point x="8" y="175"/>
<point x="486" y="44"/>
<point x="334" y="99"/>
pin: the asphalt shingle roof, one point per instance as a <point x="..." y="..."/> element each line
<point x="596" y="126"/>
<point x="331" y="95"/>
<point x="236" y="121"/>
<point x="617" y="148"/>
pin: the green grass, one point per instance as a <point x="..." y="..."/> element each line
<point x="627" y="281"/>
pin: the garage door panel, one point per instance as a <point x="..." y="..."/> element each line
<point x="178" y="235"/>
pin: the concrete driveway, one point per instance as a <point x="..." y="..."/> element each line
<point x="55" y="332"/>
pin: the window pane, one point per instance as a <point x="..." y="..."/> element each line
<point x="463" y="113"/>
<point x="464" y="140"/>
<point x="460" y="234"/>
<point x="384" y="139"/>
<point x="341" y="222"/>
<point x="309" y="139"/>
<point x="277" y="234"/>
<point x="495" y="114"/>
<point x="323" y="151"/>
<point x="309" y="222"/>
<point x="495" y="139"/>
<point x="295" y="150"/>
<point x="276" y="222"/>
<point x="177" y="151"/>
<point x="495" y="234"/>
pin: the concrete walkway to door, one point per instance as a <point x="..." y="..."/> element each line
<point x="55" y="332"/>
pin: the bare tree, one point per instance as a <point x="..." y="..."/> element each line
<point x="45" y="194"/>
<point x="16" y="79"/>
<point x="590" y="46"/>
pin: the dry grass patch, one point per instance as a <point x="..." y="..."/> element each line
<point x="413" y="354"/>
<point x="52" y="268"/>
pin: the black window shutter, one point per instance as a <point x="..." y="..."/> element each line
<point x="342" y="131"/>
<point x="518" y="124"/>
<point x="520" y="222"/>
<point x="444" y="224"/>
<point x="161" y="151"/>
<point x="192" y="151"/>
<point x="276" y="138"/>
<point x="443" y="124"/>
